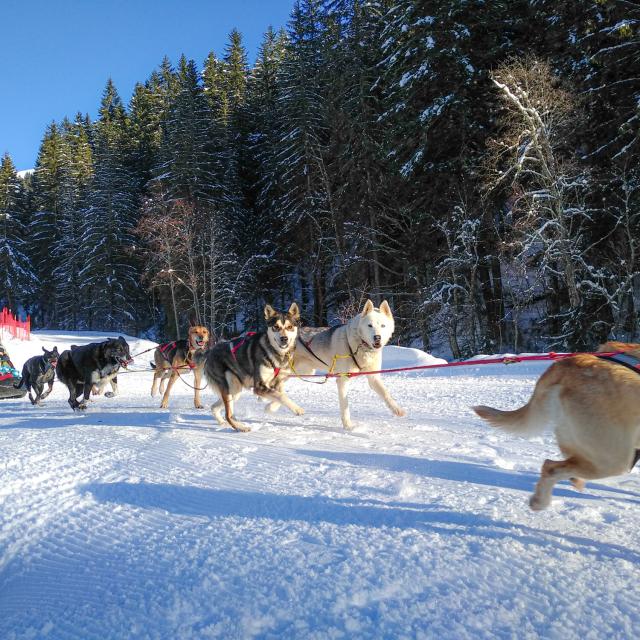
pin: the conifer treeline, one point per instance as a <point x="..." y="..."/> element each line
<point x="474" y="162"/>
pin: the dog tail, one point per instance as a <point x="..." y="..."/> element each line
<point x="529" y="420"/>
<point x="153" y="365"/>
<point x="19" y="385"/>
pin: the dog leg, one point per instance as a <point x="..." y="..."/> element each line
<point x="75" y="390"/>
<point x="48" y="391"/>
<point x="163" y="380"/>
<point x="114" y="388"/>
<point x="38" y="389"/>
<point x="375" y="382"/>
<point x="552" y="472"/>
<point x="197" y="377"/>
<point x="280" y="397"/>
<point x="272" y="407"/>
<point x="33" y="400"/>
<point x="88" y="387"/>
<point x="227" y="399"/>
<point x="165" y="398"/>
<point x="157" y="376"/>
<point x="343" y="384"/>
<point x="216" y="410"/>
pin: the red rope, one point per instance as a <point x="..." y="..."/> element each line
<point x="464" y="363"/>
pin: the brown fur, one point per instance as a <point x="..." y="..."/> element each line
<point x="179" y="364"/>
<point x="593" y="406"/>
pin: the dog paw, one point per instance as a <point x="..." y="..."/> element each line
<point x="537" y="504"/>
<point x="238" y="426"/>
<point x="348" y="425"/>
<point x="578" y="483"/>
<point x="82" y="406"/>
<point x="399" y="411"/>
<point x="164" y="405"/>
<point x="299" y="411"/>
<point x="199" y="406"/>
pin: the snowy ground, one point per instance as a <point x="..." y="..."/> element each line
<point x="133" y="522"/>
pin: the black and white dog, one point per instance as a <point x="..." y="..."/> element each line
<point x="38" y="372"/>
<point x="259" y="360"/>
<point x="80" y="368"/>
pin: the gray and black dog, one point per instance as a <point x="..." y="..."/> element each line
<point x="259" y="360"/>
<point x="80" y="368"/>
<point x="38" y="372"/>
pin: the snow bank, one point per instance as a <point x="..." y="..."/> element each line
<point x="394" y="357"/>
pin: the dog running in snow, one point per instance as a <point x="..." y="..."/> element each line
<point x="37" y="372"/>
<point x="81" y="368"/>
<point x="349" y="348"/>
<point x="593" y="405"/>
<point x="174" y="358"/>
<point x="259" y="360"/>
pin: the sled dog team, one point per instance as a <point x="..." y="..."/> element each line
<point x="592" y="403"/>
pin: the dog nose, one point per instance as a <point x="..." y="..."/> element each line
<point x="377" y="338"/>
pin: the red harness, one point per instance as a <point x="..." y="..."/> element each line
<point x="170" y="345"/>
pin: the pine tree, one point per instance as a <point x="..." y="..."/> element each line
<point x="185" y="166"/>
<point x="261" y="179"/>
<point x="306" y="199"/>
<point x="44" y="234"/>
<point x="17" y="279"/>
<point x="110" y="280"/>
<point x="69" y="256"/>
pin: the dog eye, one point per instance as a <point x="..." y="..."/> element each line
<point x="371" y="325"/>
<point x="383" y="325"/>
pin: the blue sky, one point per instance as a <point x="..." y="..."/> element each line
<point x="58" y="54"/>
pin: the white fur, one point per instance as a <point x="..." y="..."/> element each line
<point x="366" y="334"/>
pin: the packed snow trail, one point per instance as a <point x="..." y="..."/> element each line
<point x="130" y="521"/>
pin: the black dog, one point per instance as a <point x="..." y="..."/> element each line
<point x="37" y="372"/>
<point x="80" y="368"/>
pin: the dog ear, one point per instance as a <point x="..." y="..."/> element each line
<point x="44" y="349"/>
<point x="368" y="308"/>
<point x="386" y="309"/>
<point x="269" y="312"/>
<point x="294" y="311"/>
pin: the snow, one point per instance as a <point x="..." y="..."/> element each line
<point x="129" y="521"/>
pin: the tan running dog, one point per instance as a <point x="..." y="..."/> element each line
<point x="176" y="358"/>
<point x="593" y="405"/>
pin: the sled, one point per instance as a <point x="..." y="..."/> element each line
<point x="9" y="376"/>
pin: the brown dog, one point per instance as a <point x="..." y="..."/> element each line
<point x="176" y="358"/>
<point x="594" y="407"/>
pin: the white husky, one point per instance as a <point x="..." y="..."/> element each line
<point x="349" y="348"/>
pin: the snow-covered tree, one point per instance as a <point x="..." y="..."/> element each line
<point x="17" y="278"/>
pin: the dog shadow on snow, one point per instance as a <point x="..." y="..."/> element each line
<point x="208" y="503"/>
<point x="467" y="472"/>
<point x="101" y="416"/>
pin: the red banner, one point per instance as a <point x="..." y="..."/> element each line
<point x="10" y="325"/>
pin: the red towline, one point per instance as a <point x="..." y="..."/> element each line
<point x="463" y="363"/>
